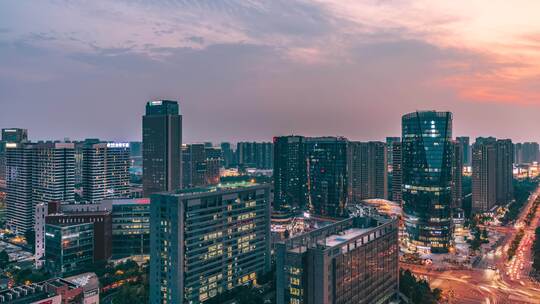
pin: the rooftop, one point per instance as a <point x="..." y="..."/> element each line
<point x="218" y="187"/>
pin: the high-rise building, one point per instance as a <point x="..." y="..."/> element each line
<point x="37" y="173"/>
<point x="162" y="144"/>
<point x="11" y="135"/>
<point x="526" y="153"/>
<point x="351" y="261"/>
<point x="255" y="155"/>
<point x="457" y="175"/>
<point x="194" y="165"/>
<point x="368" y="177"/>
<point x="397" y="172"/>
<point x="327" y="175"/>
<point x="201" y="165"/>
<point x="105" y="171"/>
<point x="290" y="176"/>
<point x="484" y="175"/>
<point x="389" y="148"/>
<point x="492" y="175"/>
<point x="427" y="177"/>
<point x="204" y="242"/>
<point x="464" y="142"/>
<point x="228" y="155"/>
<point x="505" y="176"/>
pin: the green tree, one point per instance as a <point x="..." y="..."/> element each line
<point x="4" y="259"/>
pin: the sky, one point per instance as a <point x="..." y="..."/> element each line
<point x="251" y="69"/>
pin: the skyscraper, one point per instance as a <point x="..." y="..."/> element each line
<point x="162" y="144"/>
<point x="208" y="241"/>
<point x="200" y="165"/>
<point x="484" y="176"/>
<point x="11" y="135"/>
<point x="368" y="170"/>
<point x="526" y="153"/>
<point x="457" y="175"/>
<point x="464" y="142"/>
<point x="37" y="173"/>
<point x="505" y="177"/>
<point x="397" y="172"/>
<point x="492" y="175"/>
<point x="255" y="155"/>
<point x="290" y="165"/>
<point x="389" y="148"/>
<point x="228" y="155"/>
<point x="105" y="171"/>
<point x="327" y="175"/>
<point x="427" y="176"/>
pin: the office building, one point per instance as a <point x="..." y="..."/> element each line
<point x="457" y="175"/>
<point x="130" y="223"/>
<point x="484" y="176"/>
<point x="368" y="170"/>
<point x="505" y="177"/>
<point x="290" y="173"/>
<point x="327" y="175"/>
<point x="526" y="153"/>
<point x="68" y="248"/>
<point x="492" y="174"/>
<point x="37" y="173"/>
<point x="204" y="242"/>
<point x="390" y="141"/>
<point x="397" y="172"/>
<point x="228" y="155"/>
<point x="162" y="144"/>
<point x="101" y="224"/>
<point x="426" y="177"/>
<point x="351" y="261"/>
<point x="11" y="135"/>
<point x="464" y="142"/>
<point x="201" y="165"/>
<point x="255" y="155"/>
<point x="105" y="171"/>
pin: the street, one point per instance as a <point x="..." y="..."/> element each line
<point x="498" y="280"/>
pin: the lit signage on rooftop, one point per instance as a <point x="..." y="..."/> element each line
<point x="156" y="103"/>
<point x="117" y="145"/>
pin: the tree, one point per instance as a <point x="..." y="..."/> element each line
<point x="4" y="259"/>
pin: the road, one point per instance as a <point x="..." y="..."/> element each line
<point x="505" y="282"/>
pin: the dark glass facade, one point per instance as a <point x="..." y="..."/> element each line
<point x="68" y="248"/>
<point x="162" y="140"/>
<point x="290" y="173"/>
<point x="426" y="177"/>
<point x="327" y="175"/>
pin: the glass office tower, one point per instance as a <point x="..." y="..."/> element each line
<point x="427" y="175"/>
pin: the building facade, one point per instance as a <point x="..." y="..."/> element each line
<point x="427" y="176"/>
<point x="37" y="173"/>
<point x="457" y="175"/>
<point x="290" y="173"/>
<point x="397" y="172"/>
<point x="492" y="176"/>
<point x="327" y="175"/>
<point x="162" y="147"/>
<point x="351" y="261"/>
<point x="208" y="241"/>
<point x="258" y="155"/>
<point x="105" y="171"/>
<point x="368" y="170"/>
<point x="68" y="248"/>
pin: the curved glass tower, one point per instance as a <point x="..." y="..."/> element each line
<point x="427" y="171"/>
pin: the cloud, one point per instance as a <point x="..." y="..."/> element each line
<point x="254" y="69"/>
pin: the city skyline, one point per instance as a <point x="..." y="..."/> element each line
<point x="255" y="72"/>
